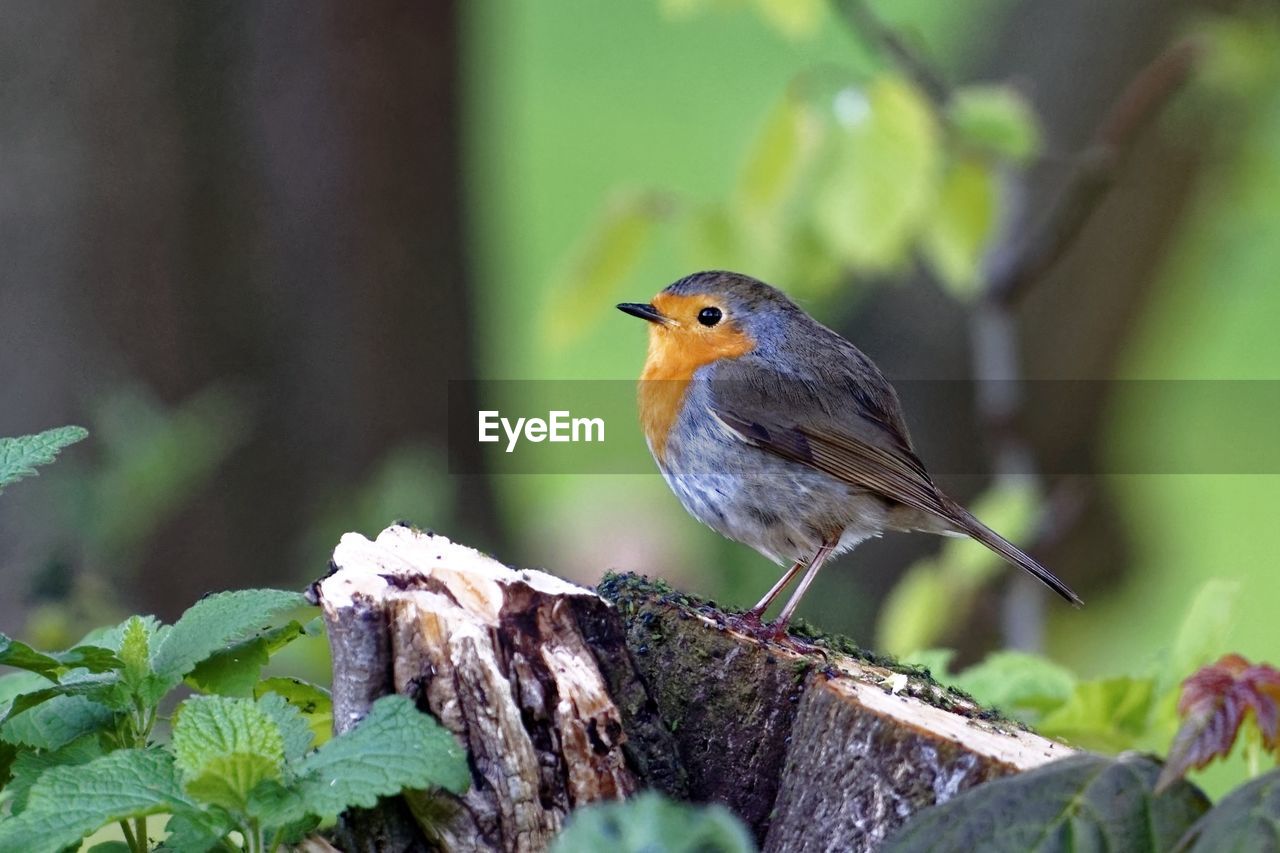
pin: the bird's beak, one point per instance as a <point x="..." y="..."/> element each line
<point x="645" y="312"/>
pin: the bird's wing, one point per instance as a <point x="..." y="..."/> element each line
<point x="850" y="428"/>
<point x="842" y="419"/>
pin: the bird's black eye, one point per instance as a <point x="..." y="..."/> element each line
<point x="709" y="316"/>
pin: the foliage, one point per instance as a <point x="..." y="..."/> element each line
<point x="934" y="595"/>
<point x="850" y="173"/>
<point x="78" y="746"/>
<point x="650" y="823"/>
<point x="1080" y="802"/>
<point x="20" y="456"/>
<point x="1216" y="701"/>
<point x="1246" y="819"/>
<point x="1114" y="713"/>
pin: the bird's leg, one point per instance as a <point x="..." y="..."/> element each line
<point x="752" y="616"/>
<point x="778" y="630"/>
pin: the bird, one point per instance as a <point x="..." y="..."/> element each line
<point x="778" y="433"/>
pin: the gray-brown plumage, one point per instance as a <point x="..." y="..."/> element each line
<point x="778" y="433"/>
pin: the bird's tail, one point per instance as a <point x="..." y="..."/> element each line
<point x="968" y="523"/>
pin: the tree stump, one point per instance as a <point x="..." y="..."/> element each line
<point x="564" y="697"/>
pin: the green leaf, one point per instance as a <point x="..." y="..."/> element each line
<point x="20" y="456"/>
<point x="312" y="701"/>
<point x="393" y="748"/>
<point x="96" y="687"/>
<point x="295" y="733"/>
<point x="135" y="652"/>
<point x="1203" y="634"/>
<point x="935" y="593"/>
<point x="608" y="254"/>
<point x="92" y="658"/>
<point x="884" y="177"/>
<point x="795" y="19"/>
<point x="193" y="831"/>
<point x="110" y="847"/>
<point x="21" y="656"/>
<point x="1018" y="683"/>
<point x="57" y="722"/>
<point x="937" y="661"/>
<point x="214" y="622"/>
<point x="30" y="764"/>
<point x="995" y="119"/>
<point x="651" y="822"/>
<point x="235" y="671"/>
<point x="1247" y="819"/>
<point x="224" y="748"/>
<point x="779" y="157"/>
<point x="1110" y="714"/>
<point x="1084" y="802"/>
<point x="957" y="236"/>
<point x="68" y="803"/>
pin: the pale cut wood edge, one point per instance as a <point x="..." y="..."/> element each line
<point x="502" y="658"/>
<point x="815" y="749"/>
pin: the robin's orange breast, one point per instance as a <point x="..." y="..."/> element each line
<point x="675" y="353"/>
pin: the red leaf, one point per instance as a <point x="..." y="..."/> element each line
<point x="1215" y="701"/>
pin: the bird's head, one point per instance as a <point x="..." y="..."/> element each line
<point x="708" y="316"/>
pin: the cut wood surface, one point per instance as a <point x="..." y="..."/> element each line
<point x="563" y="697"/>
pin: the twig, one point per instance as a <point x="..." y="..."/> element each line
<point x="1015" y="271"/>
<point x="864" y="23"/>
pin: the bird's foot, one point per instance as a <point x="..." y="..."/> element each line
<point x="748" y="623"/>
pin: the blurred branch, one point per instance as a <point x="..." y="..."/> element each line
<point x="1014" y="271"/>
<point x="866" y="25"/>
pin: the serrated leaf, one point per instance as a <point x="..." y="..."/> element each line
<point x="95" y="686"/>
<point x="995" y="119"/>
<point x="394" y="747"/>
<point x="312" y="701"/>
<point x="19" y="457"/>
<point x="57" y="722"/>
<point x="68" y="803"/>
<point x="884" y="177"/>
<point x="16" y="683"/>
<point x="135" y="652"/>
<point x="193" y="831"/>
<point x="21" y="656"/>
<point x="30" y="764"/>
<point x="295" y="733"/>
<point x="1247" y="819"/>
<point x="213" y="623"/>
<point x="91" y="658"/>
<point x="227" y="780"/>
<point x="1215" y="702"/>
<point x="651" y="822"/>
<point x="1109" y="714"/>
<point x="235" y="671"/>
<point x="957" y="236"/>
<point x="224" y="748"/>
<point x="1018" y="683"/>
<point x="1084" y="802"/>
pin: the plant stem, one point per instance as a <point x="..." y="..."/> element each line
<point x="128" y="835"/>
<point x="140" y="829"/>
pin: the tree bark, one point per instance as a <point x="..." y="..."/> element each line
<point x="564" y="697"/>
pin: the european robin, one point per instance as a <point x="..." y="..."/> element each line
<point x="778" y="433"/>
